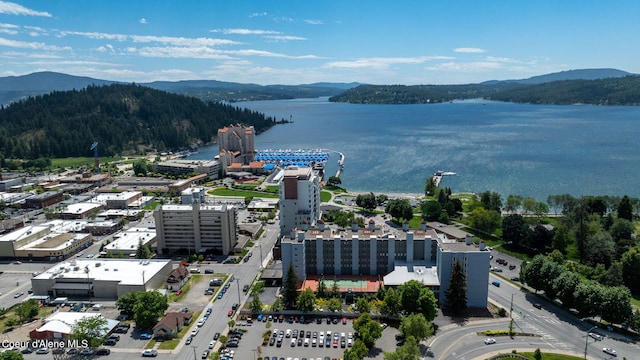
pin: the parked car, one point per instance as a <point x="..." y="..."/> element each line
<point x="216" y="336"/>
<point x="188" y="341"/>
<point x="86" y="351"/>
<point x="42" y="350"/>
<point x="146" y="336"/>
<point x="150" y="353"/>
<point x="205" y="354"/>
<point x="537" y="305"/>
<point x="208" y="271"/>
<point x="103" y="351"/>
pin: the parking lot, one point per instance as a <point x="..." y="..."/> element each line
<point x="252" y="340"/>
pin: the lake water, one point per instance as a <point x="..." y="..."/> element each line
<point x="528" y="150"/>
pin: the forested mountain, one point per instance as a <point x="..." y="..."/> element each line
<point x="609" y="91"/>
<point x="580" y="74"/>
<point x="121" y="118"/>
<point x="15" y="88"/>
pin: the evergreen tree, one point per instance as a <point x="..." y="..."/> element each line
<point x="290" y="289"/>
<point x="625" y="209"/>
<point x="456" y="294"/>
<point x="321" y="292"/>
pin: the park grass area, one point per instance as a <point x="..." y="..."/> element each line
<point x="152" y="206"/>
<point x="74" y="162"/>
<point x="240" y="193"/>
<point x="325" y="196"/>
<point x="334" y="189"/>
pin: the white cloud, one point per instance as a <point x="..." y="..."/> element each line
<point x="201" y="52"/>
<point x="245" y="31"/>
<point x="36" y="31"/>
<point x="470" y="50"/>
<point x="106" y="49"/>
<point x="142" y="21"/>
<point x="181" y="41"/>
<point x="314" y="22"/>
<point x="17" y="9"/>
<point x="285" y="38"/>
<point x="96" y="35"/>
<point x="258" y="14"/>
<point x="30" y="45"/>
<point x="381" y="63"/>
<point x="466" y="67"/>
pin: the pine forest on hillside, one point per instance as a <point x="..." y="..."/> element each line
<point x="123" y="119"/>
<point x="609" y="91"/>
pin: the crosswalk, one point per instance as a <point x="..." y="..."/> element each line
<point x="531" y="328"/>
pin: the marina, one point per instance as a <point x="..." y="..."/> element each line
<point x="315" y="158"/>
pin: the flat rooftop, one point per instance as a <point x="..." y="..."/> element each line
<point x="124" y="271"/>
<point x="189" y="207"/>
<point x="402" y="273"/>
<point x="104" y="197"/>
<point x="130" y="239"/>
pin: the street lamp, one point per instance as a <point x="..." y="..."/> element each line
<point x="586" y="341"/>
<point x="238" y="285"/>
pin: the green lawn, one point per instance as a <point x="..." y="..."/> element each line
<point x="75" y="162"/>
<point x="325" y="196"/>
<point x="239" y="193"/>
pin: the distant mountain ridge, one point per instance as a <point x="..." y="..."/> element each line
<point x="587" y="86"/>
<point x="15" y="88"/>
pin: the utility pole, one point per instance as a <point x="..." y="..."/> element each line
<point x="586" y="341"/>
<point x="511" y="307"/>
<point x="238" y="285"/>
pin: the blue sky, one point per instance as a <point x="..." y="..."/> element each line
<point x="296" y="42"/>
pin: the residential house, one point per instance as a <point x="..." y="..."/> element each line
<point x="177" y="278"/>
<point x="169" y="326"/>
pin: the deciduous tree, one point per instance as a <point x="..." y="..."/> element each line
<point x="306" y="300"/>
<point x="92" y="329"/>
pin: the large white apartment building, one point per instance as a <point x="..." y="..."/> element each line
<point x="299" y="198"/>
<point x="195" y="228"/>
<point x="394" y="256"/>
<point x="238" y="139"/>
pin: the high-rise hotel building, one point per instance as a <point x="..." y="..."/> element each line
<point x="394" y="256"/>
<point x="239" y="140"/>
<point x="299" y="198"/>
<point x="196" y="228"/>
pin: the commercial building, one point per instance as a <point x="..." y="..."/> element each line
<point x="179" y="167"/>
<point x="43" y="200"/>
<point x="396" y="256"/>
<point x="238" y="140"/>
<point x="59" y="325"/>
<point x="299" y="198"/>
<point x="50" y="241"/>
<point x="118" y="200"/>
<point x="100" y="279"/>
<point x="192" y="196"/>
<point x="196" y="228"/>
<point x="127" y="242"/>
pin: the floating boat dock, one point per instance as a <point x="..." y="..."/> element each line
<point x="438" y="175"/>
